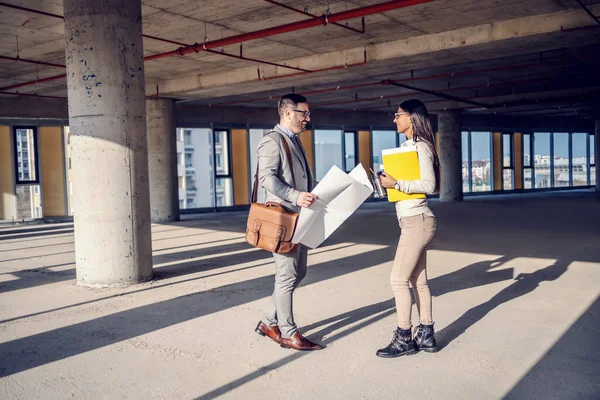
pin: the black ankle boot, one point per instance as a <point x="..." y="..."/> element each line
<point x="401" y="344"/>
<point x="424" y="339"/>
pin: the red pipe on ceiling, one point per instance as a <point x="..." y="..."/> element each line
<point x="33" y="95"/>
<point x="146" y="36"/>
<point x="257" y="34"/>
<point x="44" y="80"/>
<point x="316" y="16"/>
<point x="31" y="61"/>
<point x="309" y="23"/>
<point x="31" y="10"/>
<point x="314" y="70"/>
<point x="291" y="27"/>
<point x="221" y="53"/>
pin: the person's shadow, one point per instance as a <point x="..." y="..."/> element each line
<point x="524" y="283"/>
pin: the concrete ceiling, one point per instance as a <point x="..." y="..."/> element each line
<point x="509" y="56"/>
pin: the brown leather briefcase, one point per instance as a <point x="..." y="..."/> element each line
<point x="271" y="226"/>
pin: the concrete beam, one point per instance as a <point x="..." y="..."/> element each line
<point x="393" y="50"/>
<point x="31" y="107"/>
<point x="201" y="115"/>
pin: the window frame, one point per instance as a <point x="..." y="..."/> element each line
<point x="356" y="157"/>
<point x="511" y="166"/>
<point x="591" y="150"/>
<point x="37" y="179"/>
<point x="218" y="175"/>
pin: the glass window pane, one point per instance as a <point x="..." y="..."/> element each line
<point x="67" y="142"/>
<point x="382" y="140"/>
<point x="580" y="159"/>
<point x="255" y="136"/>
<point x="541" y="146"/>
<point x="29" y="201"/>
<point x="350" y="151"/>
<point x="26" y="162"/>
<point x="481" y="154"/>
<point x="561" y="159"/>
<point x="507" y="182"/>
<point x="465" y="162"/>
<point x="221" y="153"/>
<point x="592" y="154"/>
<point x="527" y="180"/>
<point x="328" y="151"/>
<point x="593" y="175"/>
<point x="224" y="192"/>
<point x="195" y="170"/>
<point x="527" y="150"/>
<point x="506" y="151"/>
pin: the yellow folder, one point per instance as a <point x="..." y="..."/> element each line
<point x="403" y="164"/>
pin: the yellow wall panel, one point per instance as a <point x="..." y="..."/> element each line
<point x="8" y="209"/>
<point x="518" y="157"/>
<point x="239" y="153"/>
<point x="497" y="144"/>
<point x="307" y="139"/>
<point x="52" y="169"/>
<point x="364" y="149"/>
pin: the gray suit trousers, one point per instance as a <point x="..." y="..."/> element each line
<point x="290" y="270"/>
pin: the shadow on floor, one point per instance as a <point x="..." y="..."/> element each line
<point x="43" y="348"/>
<point x="368" y="315"/>
<point x="571" y="368"/>
<point x="524" y="283"/>
<point x="33" y="234"/>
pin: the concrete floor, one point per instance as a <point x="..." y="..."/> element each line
<point x="516" y="282"/>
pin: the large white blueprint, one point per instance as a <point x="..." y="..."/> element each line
<point x="339" y="195"/>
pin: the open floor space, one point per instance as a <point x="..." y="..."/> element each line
<point x="515" y="280"/>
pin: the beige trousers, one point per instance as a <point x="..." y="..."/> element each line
<point x="410" y="265"/>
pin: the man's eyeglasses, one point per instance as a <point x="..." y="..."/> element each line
<point x="396" y="115"/>
<point x="305" y="113"/>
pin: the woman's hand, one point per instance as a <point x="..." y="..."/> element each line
<point x="387" y="181"/>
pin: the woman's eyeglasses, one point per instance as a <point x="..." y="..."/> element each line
<point x="396" y="115"/>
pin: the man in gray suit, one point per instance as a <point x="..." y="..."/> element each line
<point x="275" y="175"/>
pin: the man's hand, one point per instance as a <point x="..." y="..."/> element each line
<point x="305" y="199"/>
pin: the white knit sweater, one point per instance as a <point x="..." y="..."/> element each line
<point x="425" y="185"/>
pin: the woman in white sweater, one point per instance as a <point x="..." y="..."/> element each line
<point x="417" y="224"/>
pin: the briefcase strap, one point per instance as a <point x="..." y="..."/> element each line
<point x="288" y="154"/>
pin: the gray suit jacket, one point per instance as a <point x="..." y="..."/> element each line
<point x="274" y="170"/>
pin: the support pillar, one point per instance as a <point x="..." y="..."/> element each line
<point x="596" y="152"/>
<point x="450" y="156"/>
<point x="107" y="117"/>
<point x="162" y="160"/>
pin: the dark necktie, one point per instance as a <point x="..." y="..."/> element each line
<point x="298" y="144"/>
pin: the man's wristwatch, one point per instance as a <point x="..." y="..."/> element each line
<point x="396" y="186"/>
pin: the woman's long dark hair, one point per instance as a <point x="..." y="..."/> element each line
<point x="422" y="131"/>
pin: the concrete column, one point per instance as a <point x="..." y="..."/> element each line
<point x="450" y="156"/>
<point x="596" y="152"/>
<point x="162" y="160"/>
<point x="107" y="116"/>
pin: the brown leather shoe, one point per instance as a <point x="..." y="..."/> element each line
<point x="299" y="342"/>
<point x="270" y="331"/>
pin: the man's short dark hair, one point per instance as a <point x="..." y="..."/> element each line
<point x="290" y="99"/>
